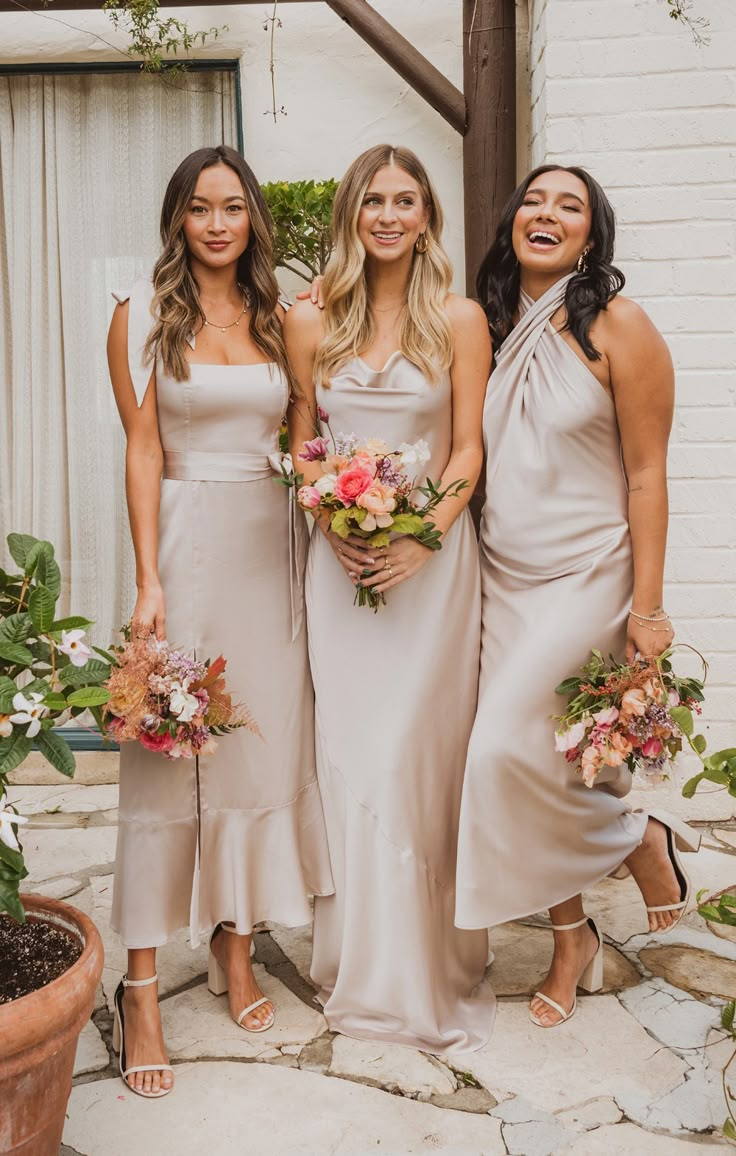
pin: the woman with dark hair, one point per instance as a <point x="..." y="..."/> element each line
<point x="225" y="840"/>
<point x="577" y="419"/>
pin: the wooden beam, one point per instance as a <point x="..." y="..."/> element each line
<point x="489" y="148"/>
<point x="405" y="59"/>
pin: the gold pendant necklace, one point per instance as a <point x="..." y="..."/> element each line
<point x="222" y="328"/>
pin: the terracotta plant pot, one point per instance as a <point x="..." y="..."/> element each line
<point x="38" y="1039"/>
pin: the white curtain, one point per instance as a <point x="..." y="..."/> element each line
<point x="84" y="160"/>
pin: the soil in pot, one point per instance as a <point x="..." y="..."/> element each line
<point x="32" y="954"/>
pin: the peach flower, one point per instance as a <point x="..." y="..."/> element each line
<point x="634" y="702"/>
<point x="591" y="764"/>
<point x="378" y="500"/>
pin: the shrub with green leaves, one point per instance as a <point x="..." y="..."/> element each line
<point x="302" y="215"/>
<point x="47" y="675"/>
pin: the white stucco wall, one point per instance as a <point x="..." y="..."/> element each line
<point x="622" y="90"/>
<point x="339" y="96"/>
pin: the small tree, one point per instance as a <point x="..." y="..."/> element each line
<point x="302" y="214"/>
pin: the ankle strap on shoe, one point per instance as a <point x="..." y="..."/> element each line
<point x="569" y="926"/>
<point x="139" y="982"/>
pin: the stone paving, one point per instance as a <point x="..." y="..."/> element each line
<point x="638" y="1070"/>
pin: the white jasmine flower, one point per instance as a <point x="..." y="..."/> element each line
<point x="29" y="710"/>
<point x="71" y="644"/>
<point x="8" y="819"/>
<point x="414" y="455"/>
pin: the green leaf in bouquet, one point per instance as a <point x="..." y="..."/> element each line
<point x="408" y="524"/>
<point x="75" y="622"/>
<point x="691" y="785"/>
<point x="568" y="686"/>
<point x="48" y="573"/>
<point x="19" y="546"/>
<point x="15" y="628"/>
<point x="56" y="751"/>
<point x="41" y="606"/>
<point x="89" y="696"/>
<point x="13" y="751"/>
<point x="92" y="673"/>
<point x="340" y="523"/>
<point x="717" y="775"/>
<point x="699" y="743"/>
<point x="683" y="718"/>
<point x="15" y="654"/>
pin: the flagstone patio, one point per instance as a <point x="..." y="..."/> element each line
<point x="637" y="1071"/>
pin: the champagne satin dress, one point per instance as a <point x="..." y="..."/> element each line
<point x="395" y="698"/>
<point x="557" y="578"/>
<point x="238" y="835"/>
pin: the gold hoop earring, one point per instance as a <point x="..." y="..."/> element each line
<point x="422" y="244"/>
<point x="582" y="265"/>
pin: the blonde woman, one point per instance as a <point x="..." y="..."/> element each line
<point x="394" y="356"/>
<point x="226" y="840"/>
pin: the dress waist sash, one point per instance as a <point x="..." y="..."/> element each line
<point x="196" y="466"/>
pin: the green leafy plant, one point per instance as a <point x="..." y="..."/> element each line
<point x="47" y="674"/>
<point x="721" y="909"/>
<point x="302" y="214"/>
<point x="155" y="39"/>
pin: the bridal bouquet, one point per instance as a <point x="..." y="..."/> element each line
<point x="636" y="714"/>
<point x="370" y="490"/>
<point x="168" y="701"/>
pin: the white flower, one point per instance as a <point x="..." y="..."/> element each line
<point x="29" y="711"/>
<point x="71" y="644"/>
<point x="8" y="819"/>
<point x="414" y="455"/>
<point x="6" y="726"/>
<point x="326" y="484"/>
<point x="571" y="738"/>
<point x="182" y="704"/>
<point x="287" y="465"/>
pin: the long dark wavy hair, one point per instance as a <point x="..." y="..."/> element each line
<point x="176" y="295"/>
<point x="586" y="294"/>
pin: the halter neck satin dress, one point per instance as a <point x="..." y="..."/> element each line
<point x="557" y="577"/>
<point x="238" y="835"/>
<point x="395" y="698"/>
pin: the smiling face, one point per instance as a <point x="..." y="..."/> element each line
<point x="392" y="215"/>
<point x="552" y="226"/>
<point x="217" y="224"/>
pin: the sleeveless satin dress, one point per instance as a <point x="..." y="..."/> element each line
<point x="557" y="577"/>
<point x="395" y="698"/>
<point x="238" y="835"/>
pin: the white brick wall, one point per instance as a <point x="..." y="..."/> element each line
<point x="621" y="89"/>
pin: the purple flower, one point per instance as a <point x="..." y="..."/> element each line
<point x="314" y="451"/>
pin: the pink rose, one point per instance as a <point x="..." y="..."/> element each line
<point x="591" y="764"/>
<point x="162" y="743"/>
<point x="634" y="702"/>
<point x="366" y="460"/>
<point x="378" y="500"/>
<point x="314" y="451"/>
<point x="308" y="497"/>
<point x="351" y="483"/>
<point x="652" y="748"/>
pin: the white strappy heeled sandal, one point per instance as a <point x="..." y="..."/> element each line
<point x="591" y="980"/>
<point x="680" y="837"/>
<point x="118" y="1041"/>
<point x="217" y="983"/>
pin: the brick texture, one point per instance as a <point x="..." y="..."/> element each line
<point x="624" y="91"/>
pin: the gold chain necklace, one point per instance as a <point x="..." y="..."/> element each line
<point x="222" y="328"/>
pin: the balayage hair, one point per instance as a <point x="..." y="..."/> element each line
<point x="425" y="332"/>
<point x="176" y="303"/>
<point x="586" y="293"/>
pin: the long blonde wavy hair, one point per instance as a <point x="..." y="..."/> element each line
<point x="176" y="305"/>
<point x="425" y="332"/>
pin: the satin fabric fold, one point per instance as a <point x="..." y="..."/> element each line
<point x="395" y="697"/>
<point x="239" y="835"/>
<point x="557" y="579"/>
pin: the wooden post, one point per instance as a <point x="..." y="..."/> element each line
<point x="489" y="148"/>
